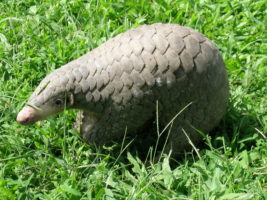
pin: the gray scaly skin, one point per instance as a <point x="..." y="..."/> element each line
<point x="118" y="84"/>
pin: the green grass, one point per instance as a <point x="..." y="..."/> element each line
<point x="49" y="161"/>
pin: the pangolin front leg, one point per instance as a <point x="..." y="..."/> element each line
<point x="85" y="122"/>
<point x="114" y="124"/>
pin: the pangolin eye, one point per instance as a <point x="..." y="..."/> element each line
<point x="58" y="102"/>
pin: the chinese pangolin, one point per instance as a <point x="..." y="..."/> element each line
<point x="119" y="84"/>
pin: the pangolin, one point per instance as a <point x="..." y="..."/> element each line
<point x="120" y="84"/>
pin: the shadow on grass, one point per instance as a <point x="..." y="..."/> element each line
<point x="236" y="132"/>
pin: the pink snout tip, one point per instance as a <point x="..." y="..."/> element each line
<point x="26" y="116"/>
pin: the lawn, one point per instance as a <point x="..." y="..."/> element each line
<point x="49" y="161"/>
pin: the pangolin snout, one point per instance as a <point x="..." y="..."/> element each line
<point x="27" y="116"/>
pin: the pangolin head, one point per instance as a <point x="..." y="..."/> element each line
<point x="50" y="97"/>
